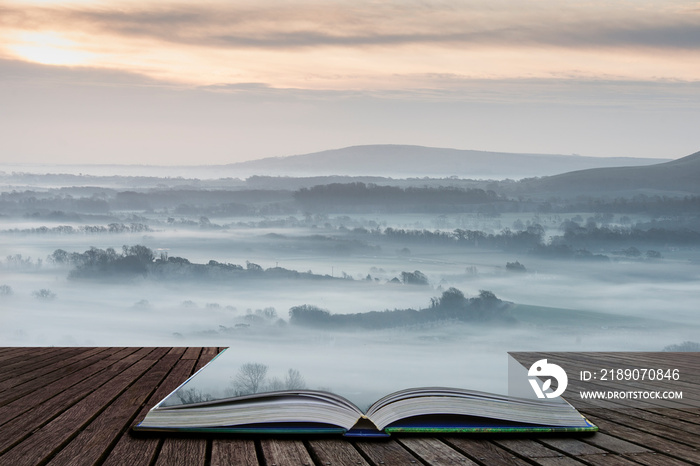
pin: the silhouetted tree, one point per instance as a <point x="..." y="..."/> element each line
<point x="275" y="384"/>
<point x="414" y="278"/>
<point x="294" y="380"/>
<point x="250" y="378"/>
<point x="142" y="253"/>
<point x="252" y="267"/>
<point x="44" y="294"/>
<point x="515" y="267"/>
<point x="192" y="395"/>
<point x="59" y="256"/>
<point x="651" y="254"/>
<point x="690" y="346"/>
<point x="307" y="314"/>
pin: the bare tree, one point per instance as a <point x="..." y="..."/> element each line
<point x="193" y="395"/>
<point x="250" y="378"/>
<point x="275" y="384"/>
<point x="294" y="380"/>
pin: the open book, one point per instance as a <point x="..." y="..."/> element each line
<point x="195" y="407"/>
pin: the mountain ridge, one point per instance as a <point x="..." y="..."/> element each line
<point x="677" y="176"/>
<point x="401" y="161"/>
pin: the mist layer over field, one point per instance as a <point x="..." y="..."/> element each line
<point x="138" y="310"/>
<point x="271" y="276"/>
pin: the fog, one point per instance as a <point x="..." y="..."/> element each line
<point x="271" y="278"/>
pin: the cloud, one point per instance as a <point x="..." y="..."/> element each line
<point x="361" y="24"/>
<point x="25" y="74"/>
<point x="359" y="45"/>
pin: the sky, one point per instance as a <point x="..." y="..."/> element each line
<point x="183" y="83"/>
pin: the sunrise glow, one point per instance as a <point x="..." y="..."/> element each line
<point x="245" y="79"/>
<point x="49" y="48"/>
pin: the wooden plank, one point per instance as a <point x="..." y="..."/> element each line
<point x="654" y="459"/>
<point x="81" y="427"/>
<point x="49" y="390"/>
<point x="683" y="415"/>
<point x="91" y="444"/>
<point x="117" y="350"/>
<point x="28" y="358"/>
<point x="664" y="419"/>
<point x="653" y="429"/>
<point x="41" y="379"/>
<point x="689" y="382"/>
<point x="648" y="440"/>
<point x="542" y="452"/>
<point x="386" y="453"/>
<point x="335" y="452"/>
<point x="434" y="451"/>
<point x="614" y="444"/>
<point x="483" y="451"/>
<point x="285" y="452"/>
<point x="209" y="353"/>
<point x="182" y="451"/>
<point x="689" y="374"/>
<point x="39" y="415"/>
<point x="572" y="446"/>
<point x="8" y="352"/>
<point x="19" y="352"/>
<point x="607" y="459"/>
<point x="557" y="461"/>
<point x="225" y="452"/>
<point x="49" y="439"/>
<point x="192" y="353"/>
<point x="20" y="372"/>
<point x="203" y="360"/>
<point x="528" y="448"/>
<point x="140" y="450"/>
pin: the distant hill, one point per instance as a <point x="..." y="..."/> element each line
<point x="681" y="176"/>
<point x="403" y="161"/>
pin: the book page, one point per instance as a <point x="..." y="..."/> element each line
<point x="353" y="365"/>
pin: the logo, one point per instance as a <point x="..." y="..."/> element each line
<point x="543" y="369"/>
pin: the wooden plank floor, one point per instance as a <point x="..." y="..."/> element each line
<point x="76" y="406"/>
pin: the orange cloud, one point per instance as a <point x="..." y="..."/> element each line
<point x="361" y="44"/>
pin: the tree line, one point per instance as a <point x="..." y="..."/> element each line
<point x="357" y="196"/>
<point x="451" y="306"/>
<point x="140" y="262"/>
<point x="84" y="229"/>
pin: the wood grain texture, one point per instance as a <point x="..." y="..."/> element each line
<point x="650" y="441"/>
<point x="387" y="453"/>
<point x="283" y="452"/>
<point x="336" y="452"/>
<point x="484" y="451"/>
<point x="54" y="371"/>
<point x="526" y="448"/>
<point x="653" y="459"/>
<point x="434" y="451"/>
<point x="556" y="461"/>
<point x="185" y="452"/>
<point x="226" y="452"/>
<point x="49" y="439"/>
<point x="141" y="450"/>
<point x="93" y="442"/>
<point x="77" y="406"/>
<point x="39" y="415"/>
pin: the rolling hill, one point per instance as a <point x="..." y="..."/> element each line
<point x="681" y="176"/>
<point x="403" y="161"/>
